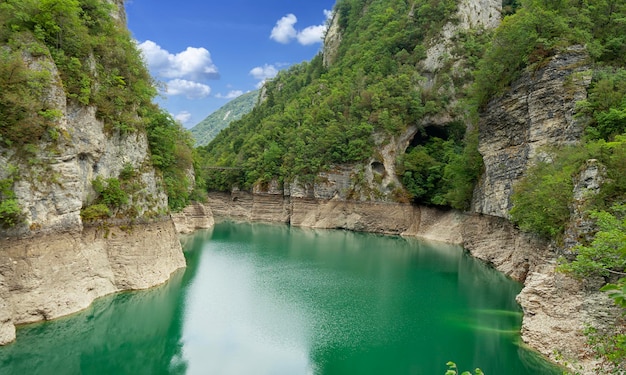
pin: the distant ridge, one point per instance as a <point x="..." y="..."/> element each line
<point x="207" y="129"/>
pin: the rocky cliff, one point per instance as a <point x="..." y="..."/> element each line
<point x="54" y="262"/>
<point x="537" y="112"/>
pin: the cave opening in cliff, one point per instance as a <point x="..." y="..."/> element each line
<point x="425" y="134"/>
<point x="378" y="167"/>
<point x="422" y="168"/>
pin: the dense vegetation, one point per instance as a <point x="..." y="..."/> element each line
<point x="544" y="198"/>
<point x="209" y="128"/>
<point x="98" y="65"/>
<point x="314" y="117"/>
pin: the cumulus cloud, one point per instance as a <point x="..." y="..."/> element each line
<point x="192" y="63"/>
<point x="231" y="94"/>
<point x="285" y="31"/>
<point x="192" y="90"/>
<point x="311" y="35"/>
<point x="264" y="72"/>
<point x="183" y="117"/>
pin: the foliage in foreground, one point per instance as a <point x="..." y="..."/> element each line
<point x="453" y="370"/>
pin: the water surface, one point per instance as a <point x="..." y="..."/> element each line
<point x="269" y="299"/>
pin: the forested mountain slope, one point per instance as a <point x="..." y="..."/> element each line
<point x="207" y="129"/>
<point x="317" y="116"/>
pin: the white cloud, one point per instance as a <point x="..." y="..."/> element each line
<point x="311" y="35"/>
<point x="192" y="90"/>
<point x="264" y="72"/>
<point x="231" y="94"/>
<point x="285" y="31"/>
<point x="183" y="117"/>
<point x="192" y="63"/>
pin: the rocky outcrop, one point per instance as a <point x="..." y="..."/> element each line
<point x="332" y="40"/>
<point x="538" y="111"/>
<point x="471" y="14"/>
<point x="581" y="227"/>
<point x="516" y="130"/>
<point x="195" y="216"/>
<point x="52" y="275"/>
<point x="52" y="263"/>
<point x="558" y="310"/>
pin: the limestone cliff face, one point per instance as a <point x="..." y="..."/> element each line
<point x="332" y="40"/>
<point x="538" y="111"/>
<point x="53" y="263"/>
<point x="471" y="14"/>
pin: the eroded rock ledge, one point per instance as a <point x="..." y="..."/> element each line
<point x="556" y="307"/>
<point x="50" y="276"/>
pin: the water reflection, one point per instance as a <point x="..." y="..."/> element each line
<point x="130" y="333"/>
<point x="270" y="299"/>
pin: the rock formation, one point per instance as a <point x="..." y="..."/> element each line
<point x="538" y="111"/>
<point x="53" y="263"/>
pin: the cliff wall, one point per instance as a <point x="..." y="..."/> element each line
<point x="537" y="112"/>
<point x="52" y="263"/>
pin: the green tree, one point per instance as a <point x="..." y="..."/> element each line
<point x="171" y="147"/>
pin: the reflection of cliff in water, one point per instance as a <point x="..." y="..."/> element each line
<point x="128" y="333"/>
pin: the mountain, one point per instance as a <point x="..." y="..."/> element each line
<point x="207" y="129"/>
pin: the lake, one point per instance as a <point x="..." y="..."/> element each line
<point x="273" y="299"/>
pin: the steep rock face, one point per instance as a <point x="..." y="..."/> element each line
<point x="471" y="14"/>
<point x="332" y="40"/>
<point x="586" y="185"/>
<point x="195" y="216"/>
<point x="52" y="264"/>
<point x="537" y="111"/>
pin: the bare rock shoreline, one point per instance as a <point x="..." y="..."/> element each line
<point x="49" y="276"/>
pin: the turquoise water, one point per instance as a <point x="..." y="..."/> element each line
<point x="265" y="299"/>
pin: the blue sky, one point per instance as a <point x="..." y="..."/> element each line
<point x="206" y="52"/>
